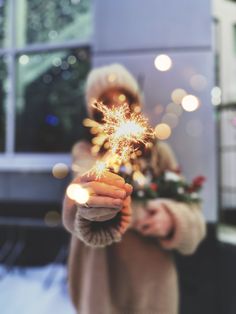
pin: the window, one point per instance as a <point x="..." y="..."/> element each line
<point x="234" y="39"/>
<point x="50" y="107"/>
<point x="44" y="61"/>
<point x="2" y="102"/>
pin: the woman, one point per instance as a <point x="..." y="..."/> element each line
<point x="120" y="258"/>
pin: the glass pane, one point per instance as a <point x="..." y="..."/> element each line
<point x="50" y="100"/>
<point x="2" y="102"/>
<point x="54" y="21"/>
<point x="3" y="23"/>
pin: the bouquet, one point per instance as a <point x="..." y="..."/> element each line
<point x="170" y="185"/>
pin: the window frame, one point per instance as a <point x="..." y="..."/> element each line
<point x="9" y="159"/>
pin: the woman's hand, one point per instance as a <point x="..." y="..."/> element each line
<point x="108" y="195"/>
<point x="158" y="222"/>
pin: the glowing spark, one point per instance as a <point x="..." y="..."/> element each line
<point x="99" y="168"/>
<point x="77" y="193"/>
<point x="123" y="130"/>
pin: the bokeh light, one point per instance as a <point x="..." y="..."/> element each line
<point x="198" y="82"/>
<point x="75" y="167"/>
<point x="52" y="218"/>
<point x="216" y="95"/>
<point x="77" y="193"/>
<point x="177" y="95"/>
<point x="71" y="59"/>
<point x="174" y="108"/>
<point x="190" y="103"/>
<point x="57" y="62"/>
<point x="60" y="171"/>
<point x="158" y="109"/>
<point x="122" y="97"/>
<point x="111" y="78"/>
<point x="162" y="131"/>
<point x="24" y="59"/>
<point x="139" y="178"/>
<point x="163" y="62"/>
<point x="171" y="119"/>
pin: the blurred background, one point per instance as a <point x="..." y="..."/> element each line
<point x="183" y="54"/>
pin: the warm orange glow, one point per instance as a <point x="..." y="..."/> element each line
<point x="122" y="128"/>
<point x="139" y="178"/>
<point x="111" y="78"/>
<point x="77" y="193"/>
<point x="162" y="131"/>
<point x="175" y="109"/>
<point x="171" y="119"/>
<point x="60" y="170"/>
<point x="177" y="95"/>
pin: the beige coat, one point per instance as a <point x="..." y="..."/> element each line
<point x="115" y="273"/>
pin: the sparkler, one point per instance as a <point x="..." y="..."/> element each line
<point x="123" y="130"/>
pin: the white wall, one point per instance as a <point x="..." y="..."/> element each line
<point x="225" y="12"/>
<point x="133" y="33"/>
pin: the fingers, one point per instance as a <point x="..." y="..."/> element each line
<point x="108" y="178"/>
<point x="103" y="189"/>
<point x="110" y="185"/>
<point x="128" y="189"/>
<point x="105" y="202"/>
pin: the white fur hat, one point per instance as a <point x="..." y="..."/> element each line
<point x="103" y="78"/>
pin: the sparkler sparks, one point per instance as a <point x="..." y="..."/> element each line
<point x="123" y="130"/>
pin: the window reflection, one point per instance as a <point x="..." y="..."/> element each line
<point x="3" y="22"/>
<point x="55" y="21"/>
<point x="50" y="102"/>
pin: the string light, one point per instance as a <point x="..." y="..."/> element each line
<point x="24" y="59"/>
<point x="190" y="103"/>
<point x="60" y="170"/>
<point x="163" y="62"/>
<point x="162" y="131"/>
<point x="177" y="95"/>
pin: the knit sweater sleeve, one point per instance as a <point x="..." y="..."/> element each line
<point x="96" y="233"/>
<point x="189" y="227"/>
<point x="96" y="227"/>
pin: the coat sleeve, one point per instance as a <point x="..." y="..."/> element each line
<point x="189" y="227"/>
<point x="189" y="224"/>
<point x="102" y="233"/>
<point x="94" y="233"/>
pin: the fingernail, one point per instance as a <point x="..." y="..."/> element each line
<point x="129" y="186"/>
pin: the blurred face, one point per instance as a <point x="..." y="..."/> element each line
<point x="117" y="97"/>
<point x="114" y="97"/>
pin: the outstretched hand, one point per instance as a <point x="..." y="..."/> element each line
<point x="158" y="222"/>
<point x="108" y="195"/>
